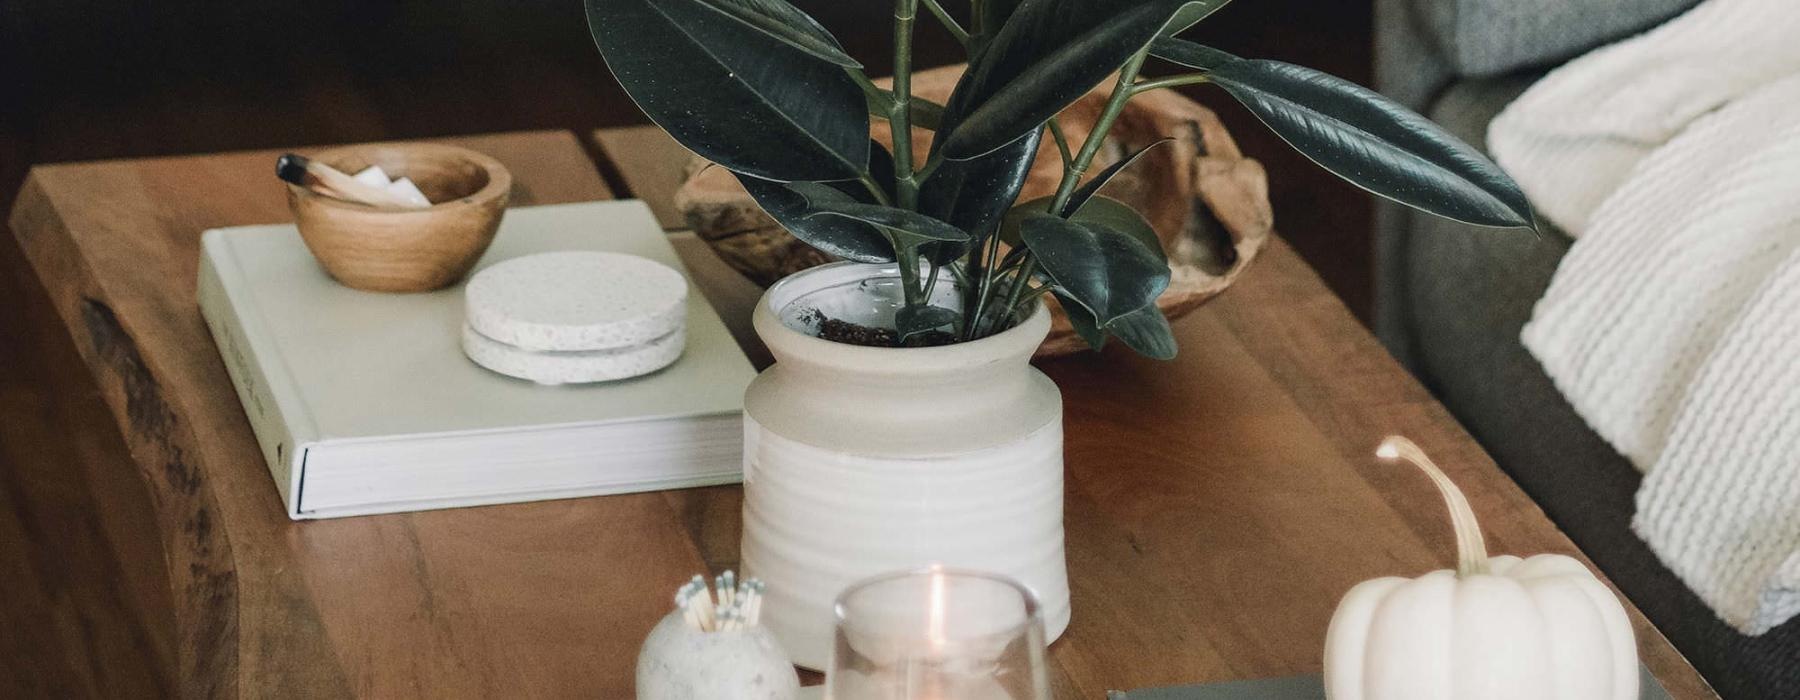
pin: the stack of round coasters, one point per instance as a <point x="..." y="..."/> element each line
<point x="575" y="316"/>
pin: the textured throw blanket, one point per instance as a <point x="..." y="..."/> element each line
<point x="1673" y="325"/>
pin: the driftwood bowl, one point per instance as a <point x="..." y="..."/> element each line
<point x="1208" y="203"/>
<point x="405" y="250"/>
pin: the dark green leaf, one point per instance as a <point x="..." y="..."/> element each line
<point x="742" y="99"/>
<point x="913" y="320"/>
<point x="1015" y="218"/>
<point x="1048" y="53"/>
<point x="1146" y="331"/>
<point x="974" y="194"/>
<point x="1113" y="214"/>
<point x="881" y="167"/>
<point x="1081" y="196"/>
<point x="1082" y="321"/>
<point x="1189" y="54"/>
<point x="788" y="24"/>
<point x="1106" y="270"/>
<point x="789" y="204"/>
<point x="994" y="14"/>
<point x="984" y="24"/>
<point x="1190" y="16"/>
<point x="1104" y="211"/>
<point x="906" y="228"/>
<point x="1374" y="143"/>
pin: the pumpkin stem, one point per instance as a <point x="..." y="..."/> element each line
<point x="1471" y="550"/>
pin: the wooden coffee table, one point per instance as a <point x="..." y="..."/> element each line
<point x="1217" y="506"/>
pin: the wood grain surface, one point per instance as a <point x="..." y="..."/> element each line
<point x="646" y="159"/>
<point x="1217" y="505"/>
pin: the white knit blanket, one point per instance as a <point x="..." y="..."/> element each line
<point x="1673" y="325"/>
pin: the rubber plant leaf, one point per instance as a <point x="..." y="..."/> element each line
<point x="1190" y="54"/>
<point x="1365" y="138"/>
<point x="1046" y="55"/>
<point x="994" y="14"/>
<point x="791" y="205"/>
<point x="1118" y="216"/>
<point x="1015" y="218"/>
<point x="1108" y="271"/>
<point x="1147" y="331"/>
<point x="787" y="24"/>
<point x="913" y="320"/>
<point x="973" y="195"/>
<point x="1082" y="321"/>
<point x="742" y="99"/>
<point x="906" y="228"/>
<point x="1105" y="211"/>
<point x="1190" y="16"/>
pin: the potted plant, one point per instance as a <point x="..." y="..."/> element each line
<point x="902" y="424"/>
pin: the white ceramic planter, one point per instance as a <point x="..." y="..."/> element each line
<point x="862" y="460"/>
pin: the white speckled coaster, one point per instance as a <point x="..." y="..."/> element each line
<point x="576" y="301"/>
<point x="573" y="367"/>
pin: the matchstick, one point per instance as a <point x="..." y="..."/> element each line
<point x="331" y="182"/>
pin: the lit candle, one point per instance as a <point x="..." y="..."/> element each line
<point x="935" y="623"/>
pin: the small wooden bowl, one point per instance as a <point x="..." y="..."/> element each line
<point x="405" y="250"/>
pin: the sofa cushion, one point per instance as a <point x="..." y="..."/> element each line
<point x="1489" y="37"/>
<point x="1454" y="298"/>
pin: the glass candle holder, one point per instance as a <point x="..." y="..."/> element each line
<point x="938" y="634"/>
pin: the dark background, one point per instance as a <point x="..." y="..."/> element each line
<point x="95" y="79"/>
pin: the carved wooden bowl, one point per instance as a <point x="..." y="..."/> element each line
<point x="405" y="250"/>
<point x="1208" y="203"/>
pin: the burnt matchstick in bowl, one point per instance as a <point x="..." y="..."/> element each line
<point x="331" y="182"/>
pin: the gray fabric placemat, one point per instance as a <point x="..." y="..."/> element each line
<point x="1297" y="688"/>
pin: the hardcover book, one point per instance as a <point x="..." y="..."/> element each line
<point x="363" y="402"/>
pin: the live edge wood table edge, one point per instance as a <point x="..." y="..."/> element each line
<point x="1217" y="505"/>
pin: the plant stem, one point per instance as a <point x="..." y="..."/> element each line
<point x="977" y="303"/>
<point x="950" y="25"/>
<point x="868" y="182"/>
<point x="974" y="296"/>
<point x="961" y="275"/>
<point x="872" y="92"/>
<point x="1171" y="81"/>
<point x="906" y="189"/>
<point x="1021" y="280"/>
<point x="1062" y="142"/>
<point x="1031" y="296"/>
<point x="975" y="12"/>
<point x="910" y="288"/>
<point x="1073" y="170"/>
<point x="1122" y="91"/>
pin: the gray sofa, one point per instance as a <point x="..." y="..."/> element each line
<point x="1451" y="299"/>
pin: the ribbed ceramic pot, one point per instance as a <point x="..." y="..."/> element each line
<point x="862" y="460"/>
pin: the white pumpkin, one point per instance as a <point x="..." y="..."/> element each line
<point x="1504" y="628"/>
